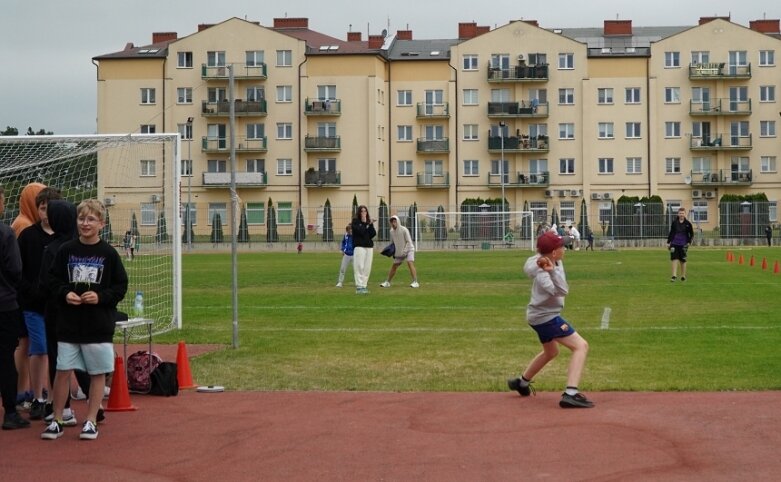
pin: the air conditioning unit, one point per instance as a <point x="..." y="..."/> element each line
<point x="596" y="195"/>
<point x="606" y="195"/>
<point x="109" y="201"/>
<point x="520" y="57"/>
<point x="155" y="198"/>
<point x="696" y="194"/>
<point x="548" y="193"/>
<point x="563" y="193"/>
<point x="575" y="193"/>
<point x="710" y="194"/>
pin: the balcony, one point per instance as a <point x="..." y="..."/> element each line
<point x="431" y="180"/>
<point x="720" y="142"/>
<point x="433" y="111"/>
<point x="244" y="108"/>
<point x="531" y="109"/>
<point x="243" y="144"/>
<point x="314" y="178"/>
<point x="519" y="73"/>
<point x="721" y="177"/>
<point x="517" y="144"/>
<point x="434" y="145"/>
<point x="720" y="107"/>
<point x="323" y="108"/>
<point x="322" y="144"/>
<point x="243" y="179"/>
<point x="520" y="179"/>
<point x="240" y="72"/>
<point x="716" y="71"/>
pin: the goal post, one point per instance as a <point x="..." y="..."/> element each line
<point x="137" y="177"/>
<point x="482" y="229"/>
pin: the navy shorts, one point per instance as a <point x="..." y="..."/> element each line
<point x="679" y="253"/>
<point x="555" y="328"/>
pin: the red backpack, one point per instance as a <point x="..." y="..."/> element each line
<point x="140" y="365"/>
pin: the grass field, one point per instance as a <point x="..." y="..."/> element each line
<point x="465" y="329"/>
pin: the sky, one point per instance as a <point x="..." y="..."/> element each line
<point x="48" y="81"/>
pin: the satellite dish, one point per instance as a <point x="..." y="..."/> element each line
<point x="687" y="180"/>
<point x="384" y="32"/>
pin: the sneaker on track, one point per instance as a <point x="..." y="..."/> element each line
<point x="12" y="421"/>
<point x="575" y="401"/>
<point x="89" y="431"/>
<point x="53" y="431"/>
<point x="70" y="420"/>
<point x="37" y="410"/>
<point x="515" y="384"/>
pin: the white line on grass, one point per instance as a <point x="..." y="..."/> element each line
<point x="246" y="328"/>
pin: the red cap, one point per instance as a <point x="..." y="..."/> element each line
<point x="548" y="242"/>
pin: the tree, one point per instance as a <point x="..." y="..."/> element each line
<point x="300" y="233"/>
<point x="384" y="226"/>
<point x="440" y="230"/>
<point x="272" y="236"/>
<point x="41" y="132"/>
<point x="584" y="227"/>
<point x="216" y="236"/>
<point x="355" y="205"/>
<point x="526" y="223"/>
<point x="243" y="236"/>
<point x="188" y="224"/>
<point x="554" y="218"/>
<point x="328" y="223"/>
<point x="162" y="230"/>
<point x="413" y="210"/>
<point x="134" y="225"/>
<point x="10" y="131"/>
<point x="105" y="233"/>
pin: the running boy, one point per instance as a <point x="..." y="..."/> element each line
<point x="86" y="280"/>
<point x="549" y="288"/>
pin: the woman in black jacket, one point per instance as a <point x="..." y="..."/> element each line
<point x="363" y="234"/>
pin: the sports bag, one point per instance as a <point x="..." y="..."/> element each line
<point x="164" y="380"/>
<point x="139" y="367"/>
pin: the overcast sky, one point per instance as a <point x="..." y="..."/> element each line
<point x="47" y="79"/>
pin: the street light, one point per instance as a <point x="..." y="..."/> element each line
<point x="189" y="130"/>
<point x="501" y="170"/>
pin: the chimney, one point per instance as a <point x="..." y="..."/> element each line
<point x="404" y="34"/>
<point x="376" y="41"/>
<point x="129" y="46"/>
<point x="617" y="27"/>
<point x="353" y="36"/>
<point x="704" y="20"/>
<point x="293" y="22"/>
<point x="204" y="26"/>
<point x="765" y="26"/>
<point x="532" y="22"/>
<point x="482" y="30"/>
<point x="467" y="30"/>
<point x="163" y="37"/>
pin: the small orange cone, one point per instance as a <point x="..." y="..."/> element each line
<point x="775" y="268"/>
<point x="729" y="256"/>
<point x="764" y="263"/>
<point x="740" y="259"/>
<point x="183" y="375"/>
<point x="119" y="397"/>
<point x="751" y="261"/>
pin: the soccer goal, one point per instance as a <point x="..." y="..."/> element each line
<point x="482" y="229"/>
<point x="137" y="177"/>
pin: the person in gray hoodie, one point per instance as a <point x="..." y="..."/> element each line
<point x="549" y="287"/>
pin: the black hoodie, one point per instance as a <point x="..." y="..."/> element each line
<point x="62" y="220"/>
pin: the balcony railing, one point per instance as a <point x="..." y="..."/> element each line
<point x="322" y="143"/>
<point x="531" y="108"/>
<point x="240" y="71"/>
<point x="324" y="107"/>
<point x="721" y="177"/>
<point x="519" y="73"/>
<point x="518" y="144"/>
<point x="244" y="108"/>
<point x="433" y="111"/>
<point x="720" y="107"/>
<point x="715" y="70"/>
<point x="243" y="144"/>
<point x="429" y="179"/>
<point x="720" y="142"/>
<point x="434" y="145"/>
<point x="322" y="178"/>
<point x="222" y="179"/>
<point x="520" y="179"/>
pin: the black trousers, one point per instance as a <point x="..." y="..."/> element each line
<point x="10" y="328"/>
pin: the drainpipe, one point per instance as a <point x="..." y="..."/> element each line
<point x="648" y="120"/>
<point x="456" y="143"/>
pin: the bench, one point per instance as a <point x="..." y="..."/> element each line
<point x="464" y="245"/>
<point x="504" y="245"/>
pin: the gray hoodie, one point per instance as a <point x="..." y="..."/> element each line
<point x="548" y="291"/>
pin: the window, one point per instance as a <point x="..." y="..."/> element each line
<point x="701" y="95"/>
<point x="634" y="165"/>
<point x="567" y="166"/>
<point x="434" y="97"/>
<point x="285" y="213"/>
<point x="326" y="129"/>
<point x="699" y="57"/>
<point x="605" y="130"/>
<point x="148" y="129"/>
<point x="772" y="211"/>
<point x="433" y="132"/>
<point x="470" y="97"/>
<point x="256" y="93"/>
<point x="284" y="130"/>
<point x="256" y="165"/>
<point x="256" y="131"/>
<point x="566" y="61"/>
<point x="217" y="94"/>
<point x="218" y="209"/>
<point x="632" y="130"/>
<point x="284" y="93"/>
<point x="767" y="58"/>
<point x="605" y="96"/>
<point x="699" y="211"/>
<point x="187" y="167"/>
<point x="567" y="131"/>
<point x="185" y="131"/>
<point x="193" y="213"/>
<point x="148" y="214"/>
<point x="471" y="168"/>
<point x="767" y="164"/>
<point x="605" y="165"/>
<point x="184" y="95"/>
<point x="605" y="213"/>
<point x="256" y="213"/>
<point x="537" y="58"/>
<point x="701" y="165"/>
<point x="672" y="60"/>
<point x="405" y="133"/>
<point x="566" y="96"/>
<point x="326" y="165"/>
<point x="147" y="95"/>
<point x="217" y="165"/>
<point x="284" y="58"/>
<point x="767" y="93"/>
<point x="567" y="211"/>
<point x="284" y="167"/>
<point x="538" y="166"/>
<point x="632" y="95"/>
<point x="471" y="132"/>
<point x="672" y="95"/>
<point x="215" y="59"/>
<point x="433" y="168"/>
<point x="672" y="129"/>
<point x="767" y="128"/>
<point x="540" y="210"/>
<point x="672" y="165"/>
<point x="500" y="61"/>
<point x="405" y="168"/>
<point x="184" y="60"/>
<point x="326" y="92"/>
<point x="470" y="62"/>
<point x="501" y="167"/>
<point x="255" y="58"/>
<point x="147" y="168"/>
<point x="404" y="97"/>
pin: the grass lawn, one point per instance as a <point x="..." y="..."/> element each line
<point x="465" y="328"/>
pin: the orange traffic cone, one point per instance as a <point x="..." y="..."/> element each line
<point x="740" y="259"/>
<point x="729" y="256"/>
<point x="119" y="397"/>
<point x="183" y="375"/>
<point x="751" y="261"/>
<point x="764" y="263"/>
<point x="775" y="268"/>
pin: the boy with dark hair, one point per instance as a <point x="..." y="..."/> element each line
<point x="678" y="240"/>
<point x="86" y="280"/>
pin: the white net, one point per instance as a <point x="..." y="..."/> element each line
<point x="137" y="178"/>
<point x="480" y="229"/>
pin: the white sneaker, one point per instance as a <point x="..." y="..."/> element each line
<point x="414" y="284"/>
<point x="385" y="284"/>
<point x="339" y="285"/>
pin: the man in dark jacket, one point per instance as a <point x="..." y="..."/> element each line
<point x="678" y="241"/>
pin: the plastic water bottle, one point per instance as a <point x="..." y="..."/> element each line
<point x="138" y="305"/>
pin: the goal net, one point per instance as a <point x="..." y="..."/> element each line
<point x="482" y="229"/>
<point x="136" y="177"/>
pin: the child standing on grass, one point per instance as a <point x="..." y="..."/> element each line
<point x="347" y="253"/>
<point x="549" y="287"/>
<point x="86" y="280"/>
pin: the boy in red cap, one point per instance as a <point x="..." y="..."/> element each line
<point x="549" y="288"/>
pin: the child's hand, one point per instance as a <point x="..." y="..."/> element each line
<point x="89" y="297"/>
<point x="72" y="298"/>
<point x="545" y="263"/>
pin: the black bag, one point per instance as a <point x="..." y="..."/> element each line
<point x="389" y="250"/>
<point x="164" y="380"/>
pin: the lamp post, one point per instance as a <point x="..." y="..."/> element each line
<point x="189" y="223"/>
<point x="501" y="170"/>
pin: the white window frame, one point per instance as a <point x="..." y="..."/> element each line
<point x="632" y="95"/>
<point x="567" y="166"/>
<point x="285" y="213"/>
<point x="767" y="58"/>
<point x="672" y="165"/>
<point x="471" y="97"/>
<point x="216" y="165"/>
<point x="256" y="165"/>
<point x="605" y="130"/>
<point x="404" y="98"/>
<point x="184" y="95"/>
<point x="284" y="167"/>
<point x="767" y="164"/>
<point x="471" y="132"/>
<point x="672" y="95"/>
<point x="284" y="131"/>
<point x="566" y="61"/>
<point x="471" y="168"/>
<point x="148" y="167"/>
<point x="605" y="166"/>
<point x="672" y="129"/>
<point x="147" y="129"/>
<point x="184" y="60"/>
<point x="215" y="58"/>
<point x="404" y="168"/>
<point x="255" y="58"/>
<point x="672" y="60"/>
<point x="148" y="214"/>
<point x="633" y="130"/>
<point x="699" y="211"/>
<point x="567" y="96"/>
<point x="634" y="165"/>
<point x="767" y="128"/>
<point x="284" y="93"/>
<point x="767" y="93"/>
<point x="470" y="62"/>
<point x="148" y="95"/>
<point x="701" y="165"/>
<point x="404" y="133"/>
<point x="284" y="58"/>
<point x="256" y="214"/>
<point x="605" y="96"/>
<point x="566" y="131"/>
<point x="217" y="208"/>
